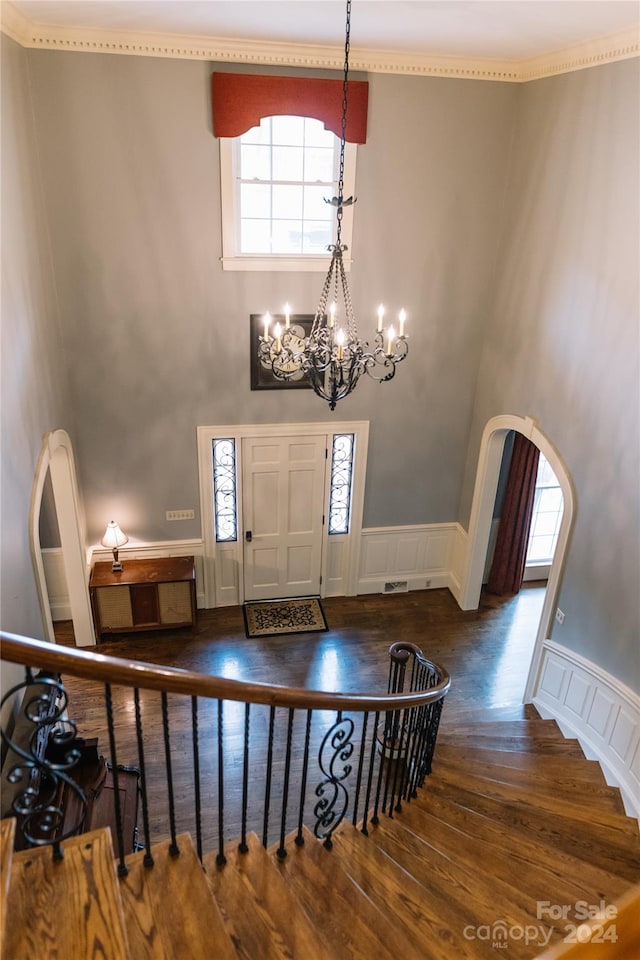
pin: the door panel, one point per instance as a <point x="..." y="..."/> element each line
<point x="283" y="493"/>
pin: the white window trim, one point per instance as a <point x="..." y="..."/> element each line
<point x="214" y="552"/>
<point x="232" y="260"/>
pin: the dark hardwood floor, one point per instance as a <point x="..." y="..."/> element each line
<point x="487" y="653"/>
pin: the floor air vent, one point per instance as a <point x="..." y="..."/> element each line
<point x="396" y="586"/>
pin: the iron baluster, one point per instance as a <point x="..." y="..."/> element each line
<point x="303" y="787"/>
<point x="196" y="774"/>
<point x="220" y="858"/>
<point x="267" y="788"/>
<point x="363" y="740"/>
<point x="173" y="846"/>
<point x="243" y="847"/>
<point x="336" y="747"/>
<point x="285" y="787"/>
<point x="148" y="856"/>
<point x="37" y="806"/>
<point x="372" y="764"/>
<point x="122" y="866"/>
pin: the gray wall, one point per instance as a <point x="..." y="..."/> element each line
<point x="503" y="217"/>
<point x="33" y="373"/>
<point x="157" y="335"/>
<point x="563" y="346"/>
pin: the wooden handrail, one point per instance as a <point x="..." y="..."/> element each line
<point x="131" y="673"/>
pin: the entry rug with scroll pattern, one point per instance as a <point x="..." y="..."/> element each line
<point x="270" y="618"/>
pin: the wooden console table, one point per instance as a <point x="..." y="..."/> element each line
<point x="145" y="595"/>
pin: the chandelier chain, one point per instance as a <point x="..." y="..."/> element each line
<point x="343" y="136"/>
<point x="332" y="357"/>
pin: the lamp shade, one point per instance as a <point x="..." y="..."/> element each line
<point x="113" y="536"/>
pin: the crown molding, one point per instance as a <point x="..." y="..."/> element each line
<point x="619" y="46"/>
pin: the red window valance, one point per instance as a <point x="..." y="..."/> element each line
<point x="241" y="100"/>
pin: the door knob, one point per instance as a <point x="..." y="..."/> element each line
<point x="248" y="536"/>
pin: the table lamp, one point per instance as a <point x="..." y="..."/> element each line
<point x="114" y="538"/>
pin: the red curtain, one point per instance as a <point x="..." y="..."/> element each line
<point x="507" y="569"/>
<point x="241" y="100"/>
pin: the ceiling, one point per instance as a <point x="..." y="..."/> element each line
<point x="408" y="31"/>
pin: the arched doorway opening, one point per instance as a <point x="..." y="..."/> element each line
<point x="488" y="471"/>
<point x="56" y="461"/>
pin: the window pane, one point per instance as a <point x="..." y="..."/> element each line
<point x="550" y="499"/>
<point x="318" y="165"/>
<point x="341" y="474"/>
<point x="288" y="130"/>
<point x="540" y="550"/>
<point x="316" y="236"/>
<point x="287" y="163"/>
<point x="255" y="162"/>
<point x="224" y="490"/>
<point x="255" y="199"/>
<point x="287" y="202"/>
<point x="255" y="236"/>
<point x="545" y="524"/>
<point x="259" y="134"/>
<point x="287" y="236"/>
<point x="547" y="515"/>
<point x="315" y="134"/>
<point x="314" y="206"/>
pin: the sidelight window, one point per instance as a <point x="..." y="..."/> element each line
<point x="341" y="482"/>
<point x="225" y="496"/>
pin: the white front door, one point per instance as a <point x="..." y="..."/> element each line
<point x="283" y="502"/>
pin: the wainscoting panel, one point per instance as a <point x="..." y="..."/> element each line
<point x="56" y="583"/>
<point x="597" y="709"/>
<point x="419" y="556"/>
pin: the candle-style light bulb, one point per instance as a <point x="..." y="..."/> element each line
<point x="332" y="315"/>
<point x="267" y="324"/>
<point x="287" y="316"/>
<point x="278" y="333"/>
<point x="391" y="334"/>
<point x="402" y="316"/>
<point x="380" y="317"/>
<point x="340" y="343"/>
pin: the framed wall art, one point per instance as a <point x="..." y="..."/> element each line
<point x="262" y="377"/>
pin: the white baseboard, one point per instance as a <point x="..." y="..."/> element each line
<point x="599" y="711"/>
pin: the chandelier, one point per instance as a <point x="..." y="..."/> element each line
<point x="333" y="357"/>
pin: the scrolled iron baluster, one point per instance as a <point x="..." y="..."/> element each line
<point x="37" y="806"/>
<point x="336" y="748"/>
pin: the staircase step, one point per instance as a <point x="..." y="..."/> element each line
<point x="606" y="938"/>
<point x="523" y="727"/>
<point x="533" y="869"/>
<point x="616" y="851"/>
<point x="579" y="767"/>
<point x="170" y="911"/>
<point x="419" y="887"/>
<point x="347" y="923"/>
<point x="542" y="745"/>
<point x="467" y="713"/>
<point x="489" y="784"/>
<point x="7" y="838"/>
<point x="540" y="782"/>
<point x="262" y="917"/>
<point x="69" y="908"/>
<point x="418" y="903"/>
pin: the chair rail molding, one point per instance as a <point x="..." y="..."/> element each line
<point x="600" y="711"/>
